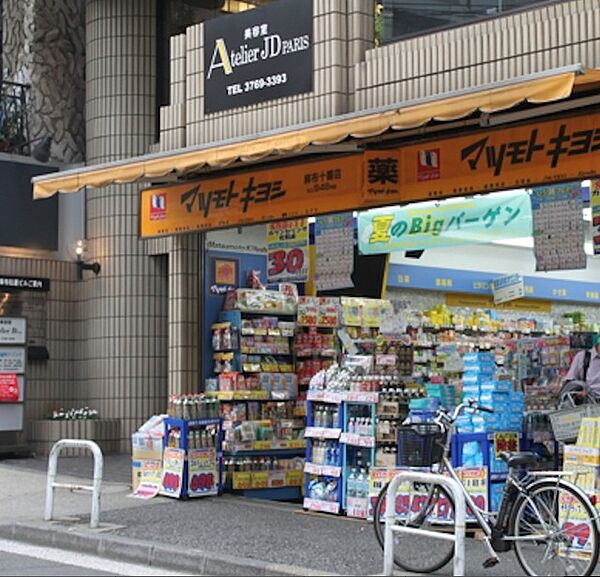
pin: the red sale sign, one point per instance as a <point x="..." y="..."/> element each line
<point x="9" y="387"/>
<point x="288" y="251"/>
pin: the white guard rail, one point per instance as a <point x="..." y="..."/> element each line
<point x="458" y="537"/>
<point x="95" y="489"/>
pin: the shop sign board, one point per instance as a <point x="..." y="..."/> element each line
<point x="19" y="283"/>
<point x="202" y="472"/>
<point x="449" y="223"/>
<point x="172" y="473"/>
<point x="595" y="206"/>
<point x="270" y="194"/>
<point x="287" y="255"/>
<point x="9" y="388"/>
<point x="558" y="232"/>
<point x="13" y="331"/>
<point x="508" y="288"/>
<point x="538" y="153"/>
<point x="258" y="55"/>
<point x="12" y="360"/>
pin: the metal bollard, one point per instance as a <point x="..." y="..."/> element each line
<point x="459" y="522"/>
<point x="95" y="489"/>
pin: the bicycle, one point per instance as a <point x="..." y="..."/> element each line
<point x="550" y="522"/>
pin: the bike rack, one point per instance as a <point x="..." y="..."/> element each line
<point x="459" y="519"/>
<point x="95" y="489"/>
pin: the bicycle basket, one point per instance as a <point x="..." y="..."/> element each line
<point x="420" y="445"/>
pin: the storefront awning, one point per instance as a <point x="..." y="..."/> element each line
<point x="549" y="86"/>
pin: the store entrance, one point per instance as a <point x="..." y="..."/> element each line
<point x="317" y="362"/>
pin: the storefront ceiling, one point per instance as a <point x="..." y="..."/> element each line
<point x="543" y="88"/>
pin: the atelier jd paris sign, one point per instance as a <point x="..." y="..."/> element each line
<point x="258" y="55"/>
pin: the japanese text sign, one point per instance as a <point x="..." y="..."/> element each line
<point x="258" y="55"/>
<point x="449" y="223"/>
<point x="595" y="205"/>
<point x="508" y="288"/>
<point x="334" y="242"/>
<point x="269" y="194"/>
<point x="172" y="474"/>
<point x="288" y="251"/>
<point x="558" y="227"/>
<point x="521" y="156"/>
<point x="202" y="473"/>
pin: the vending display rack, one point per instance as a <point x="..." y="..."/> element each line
<point x="323" y="467"/>
<point x="201" y="441"/>
<point x="359" y="449"/>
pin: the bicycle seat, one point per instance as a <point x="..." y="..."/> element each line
<point x="516" y="460"/>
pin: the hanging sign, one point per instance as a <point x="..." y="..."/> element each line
<point x="13" y="331"/>
<point x="258" y="55"/>
<point x="558" y="227"/>
<point x="12" y="360"/>
<point x="288" y="251"/>
<point x="202" y="472"/>
<point x="595" y="206"/>
<point x="334" y="248"/>
<point x="452" y="222"/>
<point x="508" y="288"/>
<point x="9" y="388"/>
<point x="270" y="194"/>
<point x="172" y="473"/>
<point x="506" y="442"/>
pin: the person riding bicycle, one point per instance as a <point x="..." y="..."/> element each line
<point x="581" y="384"/>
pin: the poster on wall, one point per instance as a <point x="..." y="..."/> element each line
<point x="12" y="360"/>
<point x="334" y="249"/>
<point x="558" y="227"/>
<point x="287" y="243"/>
<point x="9" y="388"/>
<point x="258" y="55"/>
<point x="508" y="288"/>
<point x="595" y="206"/>
<point x="452" y="222"/>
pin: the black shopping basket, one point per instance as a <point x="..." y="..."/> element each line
<point x="420" y="445"/>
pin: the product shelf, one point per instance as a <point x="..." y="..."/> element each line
<point x="332" y="507"/>
<point x="322" y="470"/>
<point x="357" y="440"/>
<point x="251" y="396"/>
<point x="267" y="446"/>
<point x="322" y="433"/>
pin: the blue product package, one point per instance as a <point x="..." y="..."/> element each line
<point x="472" y="455"/>
<point x="425" y="404"/>
<point x="476" y="379"/>
<point x="475" y="357"/>
<point x="504" y="386"/>
<point x="487" y="369"/>
<point x="496" y="494"/>
<point x="517" y="397"/>
<point x="497" y="466"/>
<point x="464" y="424"/>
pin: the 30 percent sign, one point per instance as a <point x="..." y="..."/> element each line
<point x="284" y="261"/>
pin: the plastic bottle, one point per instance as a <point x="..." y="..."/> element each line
<point x="352" y="484"/>
<point x="362" y="485"/>
<point x="335" y="418"/>
<point x="351" y="426"/>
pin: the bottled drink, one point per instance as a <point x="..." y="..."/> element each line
<point x="362" y="485"/>
<point x="352" y="484"/>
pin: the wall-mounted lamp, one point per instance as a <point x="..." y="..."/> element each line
<point x="80" y="249"/>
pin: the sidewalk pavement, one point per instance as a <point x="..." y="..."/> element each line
<point x="225" y="535"/>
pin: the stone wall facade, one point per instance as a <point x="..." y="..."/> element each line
<point x="43" y="45"/>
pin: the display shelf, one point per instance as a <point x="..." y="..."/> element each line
<point x="252" y="396"/>
<point x="322" y="506"/>
<point x="267" y="446"/>
<point x="266" y="479"/>
<point x="357" y="440"/>
<point x="322" y="470"/>
<point x="200" y="463"/>
<point x="322" y="433"/>
<point x="345" y="396"/>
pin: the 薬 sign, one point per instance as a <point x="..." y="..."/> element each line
<point x="258" y="55"/>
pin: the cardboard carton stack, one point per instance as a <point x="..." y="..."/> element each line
<point x="147" y="449"/>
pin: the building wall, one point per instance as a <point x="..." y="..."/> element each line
<point x="43" y="45"/>
<point x="51" y="384"/>
<point x="343" y="30"/>
<point x="499" y="49"/>
<point x="123" y="366"/>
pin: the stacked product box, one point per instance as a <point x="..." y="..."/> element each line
<point x="445" y="393"/>
<point x="147" y="451"/>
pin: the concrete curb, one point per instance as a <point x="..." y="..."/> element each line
<point x="145" y="553"/>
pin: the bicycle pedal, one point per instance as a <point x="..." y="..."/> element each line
<point x="491" y="562"/>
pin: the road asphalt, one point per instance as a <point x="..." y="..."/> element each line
<point x="227" y="535"/>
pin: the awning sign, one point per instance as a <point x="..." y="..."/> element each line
<point x="441" y="224"/>
<point x="288" y="251"/>
<point x="508" y="288"/>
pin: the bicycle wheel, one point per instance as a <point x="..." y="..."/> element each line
<point x="560" y="535"/>
<point x="423" y="506"/>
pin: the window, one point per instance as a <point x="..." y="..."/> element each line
<point x="399" y="18"/>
